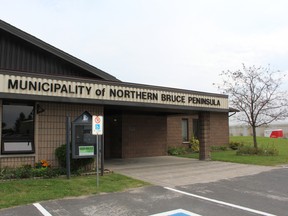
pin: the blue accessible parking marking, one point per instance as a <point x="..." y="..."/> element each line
<point x="177" y="212"/>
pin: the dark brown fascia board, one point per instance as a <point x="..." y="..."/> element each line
<point x="49" y="48"/>
<point x="231" y="109"/>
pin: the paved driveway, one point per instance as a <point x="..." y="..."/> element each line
<point x="169" y="171"/>
<point x="258" y="190"/>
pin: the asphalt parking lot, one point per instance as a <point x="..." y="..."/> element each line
<point x="261" y="191"/>
<point x="175" y="171"/>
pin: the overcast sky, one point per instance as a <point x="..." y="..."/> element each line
<point x="174" y="43"/>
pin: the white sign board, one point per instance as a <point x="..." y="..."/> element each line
<point x="112" y="93"/>
<point x="97" y="125"/>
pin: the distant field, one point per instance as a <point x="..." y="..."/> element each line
<point x="280" y="144"/>
<point x="230" y="156"/>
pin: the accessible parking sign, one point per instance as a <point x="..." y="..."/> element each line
<point x="177" y="212"/>
<point x="97" y="125"/>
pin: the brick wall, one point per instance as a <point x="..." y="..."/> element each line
<point x="51" y="127"/>
<point x="215" y="130"/>
<point x="16" y="161"/>
<point x="174" y="129"/>
<point x="144" y="135"/>
<point x="50" y="133"/>
<point x="219" y="128"/>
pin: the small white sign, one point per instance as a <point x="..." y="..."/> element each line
<point x="97" y="125"/>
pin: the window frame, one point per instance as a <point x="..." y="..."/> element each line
<point x="26" y="140"/>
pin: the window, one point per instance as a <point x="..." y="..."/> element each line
<point x="185" y="130"/>
<point x="17" y="128"/>
<point x="196" y="128"/>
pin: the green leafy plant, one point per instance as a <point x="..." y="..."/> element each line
<point x="194" y="144"/>
<point x="261" y="151"/>
<point x="177" y="150"/>
<point x="6" y="173"/>
<point x="24" y="171"/>
<point x="76" y="164"/>
<point x="27" y="171"/>
<point x="234" y="145"/>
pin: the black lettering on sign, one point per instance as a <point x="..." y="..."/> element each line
<point x="173" y="98"/>
<point x="205" y="101"/>
<point x="131" y="94"/>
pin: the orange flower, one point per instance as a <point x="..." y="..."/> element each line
<point x="44" y="163"/>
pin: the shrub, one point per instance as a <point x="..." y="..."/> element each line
<point x="27" y="171"/>
<point x="6" y="173"/>
<point x="24" y="171"/>
<point x="194" y="144"/>
<point x="75" y="164"/>
<point x="271" y="151"/>
<point x="48" y="172"/>
<point x="177" y="150"/>
<point x="235" y="145"/>
<point x="247" y="150"/>
<point x="263" y="151"/>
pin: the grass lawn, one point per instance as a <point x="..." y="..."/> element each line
<point x="20" y="192"/>
<point x="230" y="156"/>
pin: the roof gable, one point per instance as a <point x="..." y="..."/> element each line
<point x="34" y="55"/>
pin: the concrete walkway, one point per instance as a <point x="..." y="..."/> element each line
<point x="172" y="171"/>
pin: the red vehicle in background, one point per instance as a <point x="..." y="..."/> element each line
<point x="276" y="133"/>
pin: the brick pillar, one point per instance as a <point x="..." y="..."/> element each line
<point x="204" y="135"/>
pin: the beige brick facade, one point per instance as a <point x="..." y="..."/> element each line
<point x="50" y="132"/>
<point x="52" y="127"/>
<point x="141" y="135"/>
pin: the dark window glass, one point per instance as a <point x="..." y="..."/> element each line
<point x="17" y="128"/>
<point x="185" y="130"/>
<point x="196" y="128"/>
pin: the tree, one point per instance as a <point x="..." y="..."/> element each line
<point x="256" y="93"/>
<point x="19" y="121"/>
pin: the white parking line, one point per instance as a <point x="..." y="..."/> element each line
<point x="221" y="202"/>
<point x="41" y="209"/>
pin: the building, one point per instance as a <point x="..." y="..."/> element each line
<point x="246" y="130"/>
<point x="40" y="85"/>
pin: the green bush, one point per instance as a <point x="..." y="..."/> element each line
<point x="75" y="164"/>
<point x="23" y="172"/>
<point x="6" y="173"/>
<point x="194" y="144"/>
<point x="263" y="151"/>
<point x="235" y="145"/>
<point x="27" y="171"/>
<point x="48" y="172"/>
<point x="177" y="150"/>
